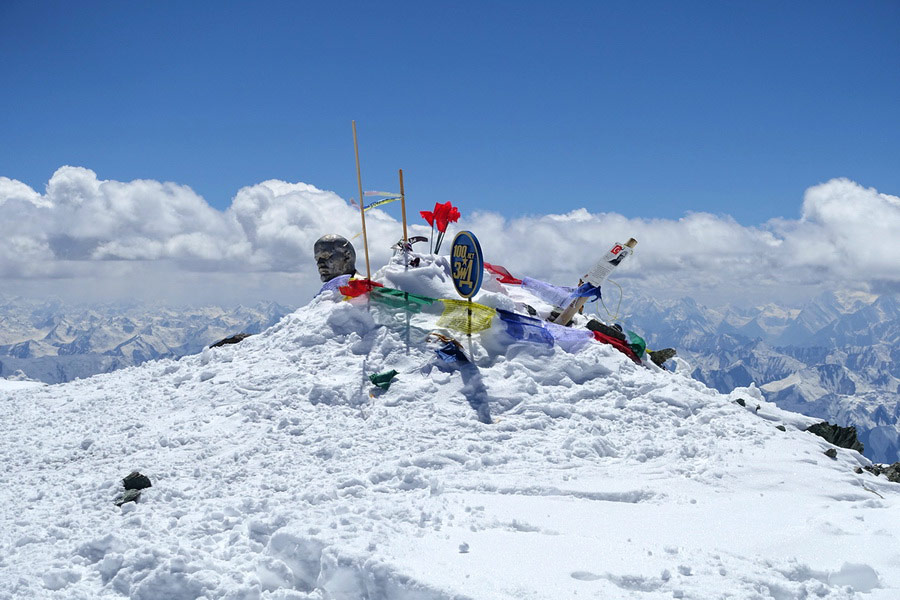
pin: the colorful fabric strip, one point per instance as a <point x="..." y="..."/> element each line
<point x="505" y="276"/>
<point x="456" y="316"/>
<point x="381" y="202"/>
<point x="450" y="353"/>
<point x="358" y="287"/>
<point x="334" y="284"/>
<point x="525" y="328"/>
<point x="618" y="344"/>
<point x="556" y="295"/>
<point x="637" y="344"/>
<point x="587" y="290"/>
<point x="399" y="299"/>
<point x="373" y="193"/>
<point x="569" y="339"/>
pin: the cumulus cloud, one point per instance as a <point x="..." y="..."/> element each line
<point x="84" y="229"/>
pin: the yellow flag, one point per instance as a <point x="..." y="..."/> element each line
<point x="456" y="316"/>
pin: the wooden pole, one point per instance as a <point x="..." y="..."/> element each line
<point x="362" y="212"/>
<point x="403" y="206"/>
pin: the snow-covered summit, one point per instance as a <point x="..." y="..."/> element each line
<point x="279" y="471"/>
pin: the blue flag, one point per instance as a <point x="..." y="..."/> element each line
<point x="525" y="328"/>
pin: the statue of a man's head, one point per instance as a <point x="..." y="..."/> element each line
<point x="334" y="256"/>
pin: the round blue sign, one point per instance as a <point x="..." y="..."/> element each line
<point x="466" y="264"/>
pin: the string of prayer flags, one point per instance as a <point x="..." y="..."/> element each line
<point x="456" y="316"/>
<point x="358" y="287"/>
<point x="383" y="380"/>
<point x="386" y="194"/>
<point x="525" y="328"/>
<point x="334" y="284"/>
<point x="505" y="276"/>
<point x="400" y="299"/>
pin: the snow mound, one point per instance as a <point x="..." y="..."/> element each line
<point x="280" y="472"/>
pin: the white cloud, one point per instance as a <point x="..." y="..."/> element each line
<point x="86" y="229"/>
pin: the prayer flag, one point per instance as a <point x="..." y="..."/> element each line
<point x="505" y="276"/>
<point x="451" y="353"/>
<point x="637" y="343"/>
<point x="552" y="294"/>
<point x="358" y="287"/>
<point x="334" y="284"/>
<point x="456" y="316"/>
<point x="381" y="202"/>
<point x="400" y="299"/>
<point x="568" y="338"/>
<point x="525" y="328"/>
<point x="620" y="345"/>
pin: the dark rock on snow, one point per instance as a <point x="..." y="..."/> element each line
<point x="136" y="481"/>
<point x="892" y="472"/>
<point x="842" y="437"/>
<point x="831" y="453"/>
<point x="129" y="496"/>
<point x="231" y="340"/>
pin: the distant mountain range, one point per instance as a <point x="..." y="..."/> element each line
<point x="836" y="358"/>
<point x="55" y="343"/>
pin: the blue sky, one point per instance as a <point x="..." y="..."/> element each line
<point x="647" y="109"/>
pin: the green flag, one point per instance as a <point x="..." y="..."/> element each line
<point x="400" y="299"/>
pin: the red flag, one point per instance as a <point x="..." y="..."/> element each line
<point x="619" y="345"/>
<point x="358" y="287"/>
<point x="505" y="276"/>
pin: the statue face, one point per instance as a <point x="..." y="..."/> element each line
<point x="334" y="256"/>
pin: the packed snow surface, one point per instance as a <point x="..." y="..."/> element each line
<point x="280" y="472"/>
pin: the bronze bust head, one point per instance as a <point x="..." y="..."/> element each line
<point x="334" y="256"/>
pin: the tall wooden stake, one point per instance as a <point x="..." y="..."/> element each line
<point x="403" y="206"/>
<point x="362" y="212"/>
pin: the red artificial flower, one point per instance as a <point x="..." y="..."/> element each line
<point x="443" y="215"/>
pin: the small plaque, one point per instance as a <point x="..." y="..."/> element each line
<point x="466" y="264"/>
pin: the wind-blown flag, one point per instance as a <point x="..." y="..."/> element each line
<point x="505" y="276"/>
<point x="455" y="316"/>
<point x="358" y="287"/>
<point x="381" y="202"/>
<point x="552" y="294"/>
<point x="525" y="328"/>
<point x="333" y="284"/>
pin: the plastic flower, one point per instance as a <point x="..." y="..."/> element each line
<point x="440" y="217"/>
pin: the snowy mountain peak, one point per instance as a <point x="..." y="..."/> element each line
<point x="280" y="471"/>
